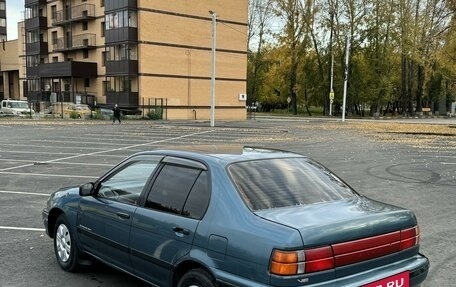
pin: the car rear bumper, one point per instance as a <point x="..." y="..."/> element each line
<point x="418" y="266"/>
<point x="45" y="216"/>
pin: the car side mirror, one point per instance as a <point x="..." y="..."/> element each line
<point x="86" y="189"/>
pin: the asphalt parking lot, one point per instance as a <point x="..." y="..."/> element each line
<point x="39" y="156"/>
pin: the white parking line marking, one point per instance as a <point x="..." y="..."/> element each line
<point x="20" y="192"/>
<point x="22" y="228"/>
<point x="106" y="151"/>
<point x="74" y="142"/>
<point x="448" y="163"/>
<point x="61" y="163"/>
<point x="47" y="175"/>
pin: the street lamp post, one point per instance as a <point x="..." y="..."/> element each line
<point x="347" y="55"/>
<point x="214" y="30"/>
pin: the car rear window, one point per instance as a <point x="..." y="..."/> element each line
<point x="274" y="183"/>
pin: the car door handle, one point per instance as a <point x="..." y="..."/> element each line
<point x="181" y="230"/>
<point x="123" y="215"/>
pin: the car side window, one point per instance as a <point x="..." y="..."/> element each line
<point x="198" y="199"/>
<point x="127" y="184"/>
<point x="180" y="190"/>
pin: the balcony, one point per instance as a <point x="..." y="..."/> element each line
<point x="36" y="23"/>
<point x="80" y="13"/>
<point x="77" y="42"/>
<point x="120" y="4"/>
<point x="37" y="48"/>
<point x="125" y="34"/>
<point x="73" y="69"/>
<point x="123" y="67"/>
<point x="32" y="72"/>
<point x="29" y="3"/>
<point x="124" y="99"/>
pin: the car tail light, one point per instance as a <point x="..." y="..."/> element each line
<point x="410" y="237"/>
<point x="301" y="261"/>
<point x="288" y="263"/>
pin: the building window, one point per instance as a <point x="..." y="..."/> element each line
<point x="85" y="26"/>
<point x="33" y="61"/>
<point x="103" y="29"/>
<point x="53" y="11"/>
<point x="122" y="52"/>
<point x="55" y="59"/>
<point x="102" y="3"/>
<point x="2" y="22"/>
<point x="103" y="59"/>
<point x="85" y="54"/>
<point x="33" y="36"/>
<point x="121" y="84"/>
<point x="54" y="37"/>
<point x="121" y="19"/>
<point x="86" y="82"/>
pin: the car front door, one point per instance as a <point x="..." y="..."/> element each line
<point x="164" y="228"/>
<point x="104" y="220"/>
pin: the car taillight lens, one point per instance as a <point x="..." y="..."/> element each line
<point x="301" y="261"/>
<point x="288" y="263"/>
<point x="410" y="237"/>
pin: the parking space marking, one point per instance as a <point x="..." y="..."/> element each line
<point x="74" y="142"/>
<point x="46" y="175"/>
<point x="4" y="170"/>
<point x="22" y="228"/>
<point x="61" y="163"/>
<point x="21" y="192"/>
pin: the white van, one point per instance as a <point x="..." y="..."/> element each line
<point x="15" y="107"/>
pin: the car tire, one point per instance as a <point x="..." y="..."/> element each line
<point x="65" y="247"/>
<point x="197" y="278"/>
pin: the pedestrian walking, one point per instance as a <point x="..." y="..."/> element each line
<point x="116" y="111"/>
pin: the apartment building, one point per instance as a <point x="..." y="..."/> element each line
<point x="3" y="20"/>
<point x="138" y="54"/>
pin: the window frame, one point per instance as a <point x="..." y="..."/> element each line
<point x="125" y="164"/>
<point x="185" y="163"/>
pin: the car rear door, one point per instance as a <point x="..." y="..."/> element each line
<point x="104" y="220"/>
<point x="164" y="228"/>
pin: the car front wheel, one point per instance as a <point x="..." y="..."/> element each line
<point x="65" y="247"/>
<point x="197" y="278"/>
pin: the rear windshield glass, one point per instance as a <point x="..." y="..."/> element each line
<point x="274" y="183"/>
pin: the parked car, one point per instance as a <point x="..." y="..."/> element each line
<point x="16" y="108"/>
<point x="78" y="110"/>
<point x="249" y="217"/>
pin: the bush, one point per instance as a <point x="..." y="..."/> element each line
<point x="74" y="115"/>
<point x="155" y="114"/>
<point x="97" y="115"/>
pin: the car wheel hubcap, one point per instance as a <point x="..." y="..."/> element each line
<point x="63" y="243"/>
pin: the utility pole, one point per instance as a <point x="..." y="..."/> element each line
<point x="331" y="88"/>
<point x="347" y="51"/>
<point x="214" y="31"/>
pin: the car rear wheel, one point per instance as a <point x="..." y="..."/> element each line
<point x="197" y="278"/>
<point x="65" y="247"/>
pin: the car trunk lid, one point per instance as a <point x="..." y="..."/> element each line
<point x="340" y="221"/>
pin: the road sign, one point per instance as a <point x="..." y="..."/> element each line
<point x="331" y="96"/>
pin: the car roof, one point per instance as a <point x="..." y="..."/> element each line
<point x="228" y="153"/>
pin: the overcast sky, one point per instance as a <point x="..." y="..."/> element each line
<point x="14" y="14"/>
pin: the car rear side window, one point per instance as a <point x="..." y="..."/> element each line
<point x="180" y="190"/>
<point x="274" y="183"/>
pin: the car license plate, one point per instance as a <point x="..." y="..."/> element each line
<point x="398" y="280"/>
